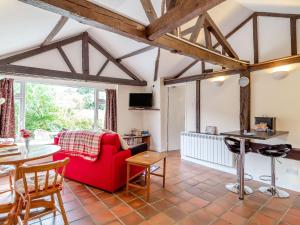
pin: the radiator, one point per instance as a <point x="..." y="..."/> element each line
<point x="210" y="148"/>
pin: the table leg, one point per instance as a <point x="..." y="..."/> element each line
<point x="127" y="178"/>
<point x="148" y="183"/>
<point x="242" y="164"/>
<point x="164" y="172"/>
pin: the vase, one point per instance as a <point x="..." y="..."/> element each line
<point x="27" y="143"/>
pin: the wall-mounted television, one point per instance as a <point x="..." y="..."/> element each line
<point x="140" y="100"/>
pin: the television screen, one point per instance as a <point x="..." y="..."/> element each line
<point x="142" y="100"/>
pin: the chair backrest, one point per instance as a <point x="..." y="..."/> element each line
<point x="232" y="144"/>
<point x="44" y="176"/>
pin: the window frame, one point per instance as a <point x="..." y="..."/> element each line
<point x="22" y="98"/>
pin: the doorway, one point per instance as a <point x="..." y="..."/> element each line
<point x="176" y="116"/>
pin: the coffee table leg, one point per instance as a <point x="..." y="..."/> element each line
<point x="164" y="173"/>
<point x="127" y="178"/>
<point x="148" y="183"/>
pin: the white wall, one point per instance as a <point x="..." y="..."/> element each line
<point x="127" y="119"/>
<point x="190" y="106"/>
<point x="220" y="105"/>
<point x="278" y="98"/>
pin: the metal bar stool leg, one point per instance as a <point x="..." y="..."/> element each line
<point x="272" y="190"/>
<point x="235" y="187"/>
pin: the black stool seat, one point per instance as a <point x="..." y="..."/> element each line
<point x="275" y="150"/>
<point x="233" y="145"/>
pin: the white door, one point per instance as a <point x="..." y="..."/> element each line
<point x="176" y="116"/>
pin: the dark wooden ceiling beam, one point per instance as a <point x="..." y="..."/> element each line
<point x="137" y="52"/>
<point x="275" y="63"/>
<point x="156" y="65"/>
<point x="255" y="39"/>
<point x="184" y="70"/>
<point x="203" y="76"/>
<point x="180" y="14"/>
<point x="39" y="50"/>
<point x="281" y="15"/>
<point x="94" y="15"/>
<point x="38" y="72"/>
<point x="59" y="25"/>
<point x="219" y="36"/>
<point x="293" y="28"/>
<point x="97" y="46"/>
<point x="149" y="10"/>
<point x="102" y="67"/>
<point x="208" y="40"/>
<point x="85" y="54"/>
<point x="66" y="59"/>
<point x="197" y="28"/>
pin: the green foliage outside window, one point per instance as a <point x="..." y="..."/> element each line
<point x="52" y="108"/>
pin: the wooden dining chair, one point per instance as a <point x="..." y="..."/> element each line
<point x="38" y="182"/>
<point x="7" y="171"/>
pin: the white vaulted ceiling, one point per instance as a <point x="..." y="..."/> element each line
<point x="24" y="27"/>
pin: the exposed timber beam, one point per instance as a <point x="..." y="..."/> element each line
<point x="102" y="67"/>
<point x="281" y="15"/>
<point x="156" y="65"/>
<point x="208" y="40"/>
<point x="197" y="28"/>
<point x="85" y="54"/>
<point x="219" y="36"/>
<point x="203" y="76"/>
<point x="39" y="50"/>
<point x="184" y="70"/>
<point x="198" y="106"/>
<point x="293" y="25"/>
<point x="255" y="39"/>
<point x="97" y="46"/>
<point x="149" y="10"/>
<point x="59" y="25"/>
<point x="187" y="31"/>
<point x="245" y="103"/>
<point x="275" y="63"/>
<point x="140" y="51"/>
<point x="94" y="15"/>
<point x="180" y="14"/>
<point x="66" y="59"/>
<point x="38" y="72"/>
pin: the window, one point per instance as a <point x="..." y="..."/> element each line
<point x="47" y="109"/>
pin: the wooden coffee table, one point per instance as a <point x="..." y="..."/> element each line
<point x="145" y="159"/>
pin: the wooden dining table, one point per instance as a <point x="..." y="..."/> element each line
<point x="32" y="153"/>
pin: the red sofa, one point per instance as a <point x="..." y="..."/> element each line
<point x="108" y="172"/>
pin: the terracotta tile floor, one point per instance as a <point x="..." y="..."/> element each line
<point x="194" y="195"/>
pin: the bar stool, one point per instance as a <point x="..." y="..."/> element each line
<point x="233" y="145"/>
<point x="274" y="151"/>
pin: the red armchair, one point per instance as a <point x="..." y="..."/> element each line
<point x="108" y="172"/>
